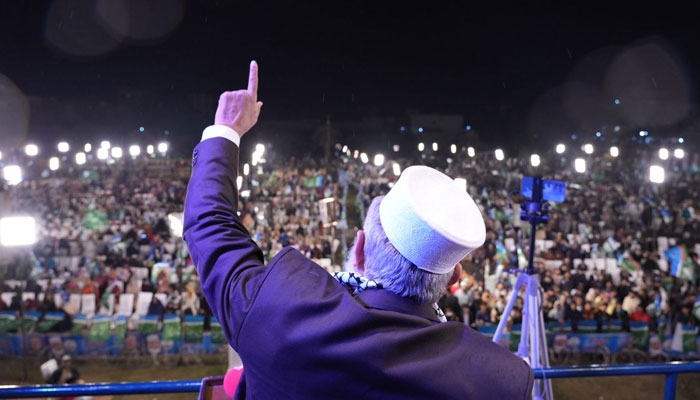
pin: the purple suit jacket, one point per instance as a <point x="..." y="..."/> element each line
<point x="301" y="335"/>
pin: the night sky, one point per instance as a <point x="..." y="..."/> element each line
<point x="90" y="69"/>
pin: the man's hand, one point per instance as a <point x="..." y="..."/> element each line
<point x="239" y="110"/>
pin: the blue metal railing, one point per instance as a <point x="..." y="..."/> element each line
<point x="671" y="370"/>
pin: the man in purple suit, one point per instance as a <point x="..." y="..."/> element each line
<point x="371" y="333"/>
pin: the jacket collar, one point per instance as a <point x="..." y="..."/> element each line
<point x="383" y="299"/>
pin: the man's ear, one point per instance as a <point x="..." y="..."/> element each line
<point x="455" y="275"/>
<point x="360" y="252"/>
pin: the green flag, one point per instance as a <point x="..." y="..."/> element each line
<point x="171" y="327"/>
<point x="100" y="329"/>
<point x="640" y="334"/>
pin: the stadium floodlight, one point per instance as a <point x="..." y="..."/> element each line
<point x="17" y="231"/>
<point x="679" y="153"/>
<point x="163" y="147"/>
<point x="396" y="168"/>
<point x="461" y="183"/>
<point x="364" y="158"/>
<point x="102" y="153"/>
<point x="656" y="174"/>
<point x="356" y="154"/>
<point x="31" y="150"/>
<point x="117" y="152"/>
<point x="87" y="147"/>
<point x="80" y="158"/>
<point x="105" y="144"/>
<point x="63" y="147"/>
<point x="12" y="174"/>
<point x="421" y="146"/>
<point x="396" y="148"/>
<point x="471" y="152"/>
<point x="149" y="149"/>
<point x="379" y="160"/>
<point x="535" y="160"/>
<point x="246" y="169"/>
<point x="134" y="150"/>
<point x="345" y="149"/>
<point x="663" y="153"/>
<point x="499" y="155"/>
<point x="580" y="165"/>
<point x="588" y="148"/>
<point x="614" y="151"/>
<point x="435" y="146"/>
<point x="561" y="148"/>
<point x="53" y="163"/>
<point x="260" y="148"/>
<point x="239" y="182"/>
<point x="453" y="148"/>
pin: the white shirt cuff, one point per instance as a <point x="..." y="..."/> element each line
<point x="221" y="131"/>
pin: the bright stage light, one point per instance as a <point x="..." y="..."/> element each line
<point x="102" y="153"/>
<point x="134" y="150"/>
<point x="471" y="152"/>
<point x="87" y="147"/>
<point x="17" y="231"/>
<point x="396" y="148"/>
<point x="117" y="152"/>
<point x="561" y="148"/>
<point x="379" y="160"/>
<point x="663" y="153"/>
<point x="535" y="160"/>
<point x="260" y="148"/>
<point x="163" y="147"/>
<point x="356" y="154"/>
<point x="396" y="168"/>
<point x="435" y="146"/>
<point x="580" y="165"/>
<point x="679" y="153"/>
<point x="80" y="158"/>
<point x="53" y="163"/>
<point x="453" y="148"/>
<point x="149" y="149"/>
<point x="246" y="169"/>
<point x="105" y="144"/>
<point x="63" y="147"/>
<point x="364" y="158"/>
<point x="656" y="174"/>
<point x="345" y="149"/>
<point x="31" y="150"/>
<point x="239" y="182"/>
<point x="421" y="146"/>
<point x="588" y="148"/>
<point x="499" y="155"/>
<point x="614" y="151"/>
<point x="12" y="174"/>
<point x="462" y="183"/>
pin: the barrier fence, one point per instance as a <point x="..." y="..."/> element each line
<point x="671" y="370"/>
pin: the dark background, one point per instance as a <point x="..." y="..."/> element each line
<point x="517" y="73"/>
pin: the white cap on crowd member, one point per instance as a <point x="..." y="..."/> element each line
<point x="430" y="220"/>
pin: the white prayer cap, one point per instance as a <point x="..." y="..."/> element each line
<point x="430" y="220"/>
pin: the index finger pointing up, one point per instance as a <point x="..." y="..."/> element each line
<point x="253" y="80"/>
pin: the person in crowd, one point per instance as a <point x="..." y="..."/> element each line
<point x="66" y="373"/>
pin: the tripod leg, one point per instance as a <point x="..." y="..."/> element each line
<point x="506" y="312"/>
<point x="544" y="356"/>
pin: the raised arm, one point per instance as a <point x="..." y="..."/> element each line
<point x="229" y="263"/>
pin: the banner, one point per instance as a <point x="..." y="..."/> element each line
<point x="100" y="329"/>
<point x="217" y="332"/>
<point x="148" y="324"/>
<point x="587" y="326"/>
<point x="194" y="328"/>
<point x="171" y="327"/>
<point x="79" y="324"/>
<point x="8" y="322"/>
<point x="685" y="338"/>
<point x="120" y="328"/>
<point x="49" y="321"/>
<point x="640" y="334"/>
<point x="30" y="318"/>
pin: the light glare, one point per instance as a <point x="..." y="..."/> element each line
<point x="163" y="147"/>
<point x="12" y="174"/>
<point x="105" y="144"/>
<point x="117" y="152"/>
<point x="134" y="150"/>
<point x="364" y="158"/>
<point x="31" y="150"/>
<point x="102" y="153"/>
<point x="663" y="153"/>
<point x="435" y="146"/>
<point x="63" y="147"/>
<point x="80" y="158"/>
<point x="421" y="146"/>
<point x="535" y="160"/>
<point x="379" y="160"/>
<point x="87" y="147"/>
<point x="471" y="152"/>
<point x="580" y="165"/>
<point x="17" y="231"/>
<point x="614" y="151"/>
<point x="561" y="148"/>
<point x="149" y="149"/>
<point x="453" y="148"/>
<point x="656" y="174"/>
<point x="679" y="153"/>
<point x="499" y="155"/>
<point x="53" y="163"/>
<point x="396" y="168"/>
<point x="588" y="148"/>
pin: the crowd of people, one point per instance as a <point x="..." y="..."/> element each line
<point x="102" y="223"/>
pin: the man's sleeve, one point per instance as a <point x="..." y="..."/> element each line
<point x="229" y="263"/>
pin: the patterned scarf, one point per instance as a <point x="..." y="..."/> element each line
<point x="356" y="283"/>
